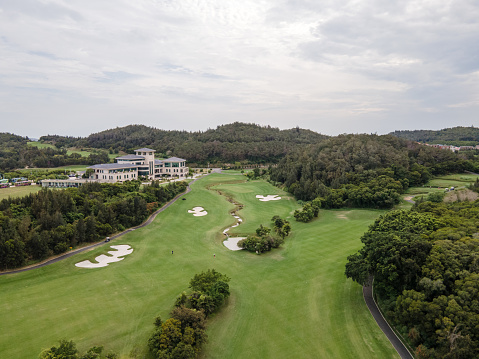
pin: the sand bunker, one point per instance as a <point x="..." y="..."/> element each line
<point x="270" y="197"/>
<point x="198" y="211"/>
<point x="103" y="260"/>
<point x="232" y="243"/>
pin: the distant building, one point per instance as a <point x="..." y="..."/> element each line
<point x="129" y="167"/>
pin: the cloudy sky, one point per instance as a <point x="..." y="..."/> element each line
<point x="74" y="67"/>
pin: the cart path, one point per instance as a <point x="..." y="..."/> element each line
<point x="69" y="254"/>
<point x="383" y="324"/>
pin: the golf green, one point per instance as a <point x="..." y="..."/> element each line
<point x="293" y="302"/>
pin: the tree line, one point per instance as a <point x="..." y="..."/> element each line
<point x="51" y="222"/>
<point x="243" y="142"/>
<point x="367" y="171"/>
<point x="459" y="136"/>
<point x="16" y="153"/>
<point x="425" y="264"/>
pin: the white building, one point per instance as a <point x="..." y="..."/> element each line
<point x="141" y="164"/>
<point x="130" y="167"/>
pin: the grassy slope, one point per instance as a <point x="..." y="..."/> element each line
<point x="294" y="302"/>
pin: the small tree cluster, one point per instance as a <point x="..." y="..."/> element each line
<point x="182" y="335"/>
<point x="67" y="350"/>
<point x="309" y="211"/>
<point x="264" y="241"/>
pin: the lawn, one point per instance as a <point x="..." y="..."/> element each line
<point x="20" y="191"/>
<point x="294" y="302"/>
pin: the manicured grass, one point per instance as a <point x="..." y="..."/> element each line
<point x="20" y="191"/>
<point x="294" y="302"/>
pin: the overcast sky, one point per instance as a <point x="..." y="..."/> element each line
<point x="80" y="66"/>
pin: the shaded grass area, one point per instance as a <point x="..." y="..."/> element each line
<point x="21" y="191"/>
<point x="294" y="302"/>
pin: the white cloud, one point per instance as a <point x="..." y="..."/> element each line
<point x="75" y="67"/>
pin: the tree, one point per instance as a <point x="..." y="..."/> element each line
<point x="204" y="281"/>
<point x="262" y="231"/>
<point x="66" y="350"/>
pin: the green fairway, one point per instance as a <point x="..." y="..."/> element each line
<point x="18" y="191"/>
<point x="294" y="302"/>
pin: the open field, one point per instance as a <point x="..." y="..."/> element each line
<point x="84" y="153"/>
<point x="456" y="180"/>
<point x="437" y="184"/>
<point x="40" y="145"/>
<point x="294" y="302"/>
<point x="18" y="191"/>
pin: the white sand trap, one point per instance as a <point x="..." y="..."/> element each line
<point x="198" y="211"/>
<point x="232" y="243"/>
<point x="270" y="197"/>
<point x="103" y="260"/>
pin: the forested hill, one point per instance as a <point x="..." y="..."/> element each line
<point x="226" y="144"/>
<point x="448" y="136"/>
<point x="363" y="170"/>
<point x="16" y="153"/>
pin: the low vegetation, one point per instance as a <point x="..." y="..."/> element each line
<point x="67" y="350"/>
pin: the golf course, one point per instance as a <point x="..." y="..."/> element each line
<point x="292" y="302"/>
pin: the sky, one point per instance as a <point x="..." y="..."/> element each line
<point x="333" y="66"/>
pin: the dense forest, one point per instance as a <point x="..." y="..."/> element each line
<point x="458" y="136"/>
<point x="15" y="153"/>
<point x="52" y="221"/>
<point x="425" y="264"/>
<point x="363" y="170"/>
<point x="237" y="142"/>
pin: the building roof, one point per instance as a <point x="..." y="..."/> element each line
<point x="158" y="162"/>
<point x="174" y="159"/>
<point x="145" y="150"/>
<point x="112" y="166"/>
<point x="130" y="157"/>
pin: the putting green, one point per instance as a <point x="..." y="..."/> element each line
<point x="292" y="302"/>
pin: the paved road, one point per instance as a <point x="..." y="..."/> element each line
<point x="69" y="254"/>
<point x="383" y="325"/>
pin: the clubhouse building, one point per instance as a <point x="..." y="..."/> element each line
<point x="130" y="167"/>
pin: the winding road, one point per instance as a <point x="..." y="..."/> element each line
<point x="383" y="324"/>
